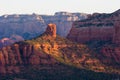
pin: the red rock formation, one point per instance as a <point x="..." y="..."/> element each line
<point x="19" y="54"/>
<point x="85" y="34"/>
<point x="51" y="30"/>
<point x="100" y="27"/>
<point x="96" y="27"/>
<point x="15" y="56"/>
<point x="49" y="48"/>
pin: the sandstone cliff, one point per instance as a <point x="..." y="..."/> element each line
<point x="96" y="27"/>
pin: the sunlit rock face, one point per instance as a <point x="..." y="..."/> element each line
<point x="51" y="30"/>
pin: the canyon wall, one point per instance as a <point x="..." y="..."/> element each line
<point x="51" y="49"/>
<point x="97" y="27"/>
<point x="31" y="26"/>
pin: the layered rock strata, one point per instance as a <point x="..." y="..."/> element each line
<point x="97" y="27"/>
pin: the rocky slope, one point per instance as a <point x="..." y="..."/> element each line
<point x="50" y="49"/>
<point x="96" y="27"/>
<point x="30" y="26"/>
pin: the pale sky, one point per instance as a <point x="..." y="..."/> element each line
<point x="52" y="6"/>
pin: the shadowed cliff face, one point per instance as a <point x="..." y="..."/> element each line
<point x="17" y="56"/>
<point x="47" y="49"/>
<point x="97" y="27"/>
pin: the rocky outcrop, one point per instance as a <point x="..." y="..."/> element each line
<point x="51" y="30"/>
<point x="96" y="27"/>
<point x="15" y="56"/>
<point x="21" y="54"/>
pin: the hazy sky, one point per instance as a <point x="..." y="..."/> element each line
<point x="52" y="6"/>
